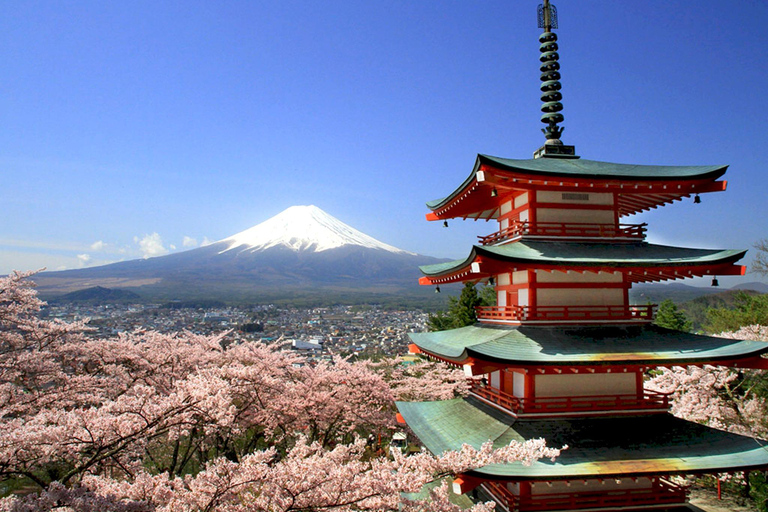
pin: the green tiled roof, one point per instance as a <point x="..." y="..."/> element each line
<point x="597" y="254"/>
<point x="598" y="447"/>
<point x="581" y="168"/>
<point x="583" y="345"/>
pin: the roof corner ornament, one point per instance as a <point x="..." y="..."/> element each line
<point x="550" y="86"/>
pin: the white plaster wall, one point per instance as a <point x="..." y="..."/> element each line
<point x="585" y="384"/>
<point x="496" y="380"/>
<point x="506" y="207"/>
<point x="568" y="216"/>
<point x="580" y="297"/>
<point x="518" y="384"/>
<point x="577" y="277"/>
<point x="522" y="297"/>
<point x="521" y="200"/>
<point x="521" y="276"/>
<point x="504" y="279"/>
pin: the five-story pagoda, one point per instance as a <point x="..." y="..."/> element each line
<point x="564" y="353"/>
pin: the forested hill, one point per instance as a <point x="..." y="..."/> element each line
<point x="696" y="309"/>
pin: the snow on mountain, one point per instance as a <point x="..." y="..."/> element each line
<point x="303" y="228"/>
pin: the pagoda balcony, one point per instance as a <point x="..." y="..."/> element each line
<point x="576" y="405"/>
<point x="662" y="493"/>
<point x="568" y="230"/>
<point x="561" y="314"/>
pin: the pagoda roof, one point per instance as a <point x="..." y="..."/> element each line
<point x="606" y="447"/>
<point x="557" y="255"/>
<point x="539" y="346"/>
<point x="654" y="183"/>
<point x="596" y="169"/>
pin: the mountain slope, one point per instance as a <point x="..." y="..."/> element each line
<point x="304" y="228"/>
<point x="302" y="251"/>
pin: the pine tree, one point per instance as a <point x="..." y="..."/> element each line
<point x="669" y="316"/>
<point x="461" y="311"/>
<point x="749" y="310"/>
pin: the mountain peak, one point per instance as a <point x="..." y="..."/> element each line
<point x="303" y="228"/>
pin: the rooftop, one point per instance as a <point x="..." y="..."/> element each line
<point x="591" y="255"/>
<point x="608" y="447"/>
<point x="640" y="187"/>
<point x="575" y="345"/>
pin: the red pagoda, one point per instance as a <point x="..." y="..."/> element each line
<point x="564" y="353"/>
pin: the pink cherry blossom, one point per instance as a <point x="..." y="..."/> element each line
<point x="148" y="421"/>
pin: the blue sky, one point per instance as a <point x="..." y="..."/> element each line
<point x="136" y="128"/>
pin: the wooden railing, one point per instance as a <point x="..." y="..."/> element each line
<point x="562" y="229"/>
<point x="565" y="313"/>
<point x="649" y="400"/>
<point x="662" y="493"/>
<point x="496" y="396"/>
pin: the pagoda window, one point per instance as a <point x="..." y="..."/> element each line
<point x="571" y="208"/>
<point x="570" y="198"/>
<point x="586" y="384"/>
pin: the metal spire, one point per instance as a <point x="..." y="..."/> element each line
<point x="550" y="85"/>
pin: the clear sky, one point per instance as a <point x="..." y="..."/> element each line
<point x="137" y="128"/>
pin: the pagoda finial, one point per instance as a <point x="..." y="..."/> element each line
<point x="550" y="86"/>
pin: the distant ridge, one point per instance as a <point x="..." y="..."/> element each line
<point x="679" y="292"/>
<point x="755" y="286"/>
<point x="99" y="294"/>
<point x="300" y="254"/>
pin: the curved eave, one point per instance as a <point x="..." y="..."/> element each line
<point x="640" y="187"/>
<point x="656" y="444"/>
<point x="640" y="261"/>
<point x="585" y="346"/>
<point x="593" y="169"/>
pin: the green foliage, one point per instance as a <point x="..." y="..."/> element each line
<point x="461" y="310"/>
<point x="696" y="310"/>
<point x="669" y="316"/>
<point x="758" y="490"/>
<point x="487" y="296"/>
<point x="748" y="310"/>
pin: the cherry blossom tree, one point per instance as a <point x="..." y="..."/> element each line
<point x="721" y="397"/>
<point x="407" y="380"/>
<point x="147" y="421"/>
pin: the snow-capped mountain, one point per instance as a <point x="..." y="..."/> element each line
<point x="301" y="252"/>
<point x="304" y="228"/>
